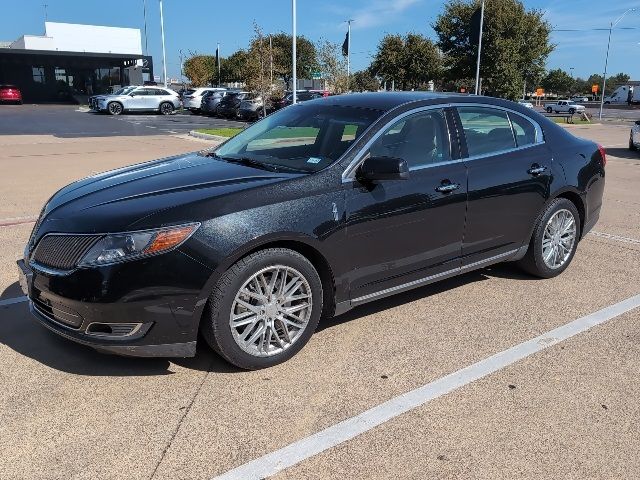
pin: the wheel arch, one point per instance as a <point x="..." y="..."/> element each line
<point x="577" y="200"/>
<point x="297" y="243"/>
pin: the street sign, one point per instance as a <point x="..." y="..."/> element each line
<point x="316" y="75"/>
<point x="156" y="78"/>
<point x="539" y="92"/>
<point x="595" y="88"/>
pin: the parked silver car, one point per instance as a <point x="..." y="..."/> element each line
<point x="153" y="99"/>
<point x="193" y="97"/>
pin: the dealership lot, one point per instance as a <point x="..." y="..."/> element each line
<point x="71" y="121"/>
<point x="569" y="411"/>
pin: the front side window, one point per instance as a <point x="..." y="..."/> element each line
<point x="487" y="130"/>
<point x="304" y="137"/>
<point x="420" y="139"/>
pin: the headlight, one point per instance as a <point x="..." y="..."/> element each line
<point x="122" y="247"/>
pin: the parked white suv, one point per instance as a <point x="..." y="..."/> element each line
<point x="564" y="106"/>
<point x="192" y="98"/>
<point x="153" y="99"/>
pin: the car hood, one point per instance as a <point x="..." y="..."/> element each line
<point x="128" y="197"/>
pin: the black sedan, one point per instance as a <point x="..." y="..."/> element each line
<point x="229" y="106"/>
<point x="316" y="209"/>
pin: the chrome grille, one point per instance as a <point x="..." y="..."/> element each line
<point x="63" y="252"/>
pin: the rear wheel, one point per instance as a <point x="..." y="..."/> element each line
<point x="264" y="309"/>
<point x="554" y="240"/>
<point x="549" y="110"/>
<point x="632" y="145"/>
<point x="115" y="108"/>
<point x="166" y="108"/>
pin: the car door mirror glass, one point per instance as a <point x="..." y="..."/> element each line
<point x="383" y="168"/>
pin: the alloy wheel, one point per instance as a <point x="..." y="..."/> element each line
<point x="558" y="239"/>
<point x="115" y="108"/>
<point x="271" y="311"/>
<point x="166" y="108"/>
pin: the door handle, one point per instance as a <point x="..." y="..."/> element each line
<point x="536" y="170"/>
<point x="447" y="187"/>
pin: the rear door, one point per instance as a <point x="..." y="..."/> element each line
<point x="405" y="232"/>
<point x="509" y="168"/>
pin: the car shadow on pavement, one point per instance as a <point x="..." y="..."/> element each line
<point x="24" y="335"/>
<point x="623" y="153"/>
<point x="12" y="291"/>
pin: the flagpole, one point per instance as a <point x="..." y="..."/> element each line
<point x="219" y="62"/>
<point x="349" y="55"/>
<point x="479" y="49"/>
<point x="164" y="54"/>
<point x="294" y="39"/>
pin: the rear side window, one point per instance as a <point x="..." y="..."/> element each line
<point x="486" y="130"/>
<point x="524" y="130"/>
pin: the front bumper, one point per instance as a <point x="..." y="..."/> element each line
<point x="143" y="321"/>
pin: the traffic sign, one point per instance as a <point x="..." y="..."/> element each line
<point x="595" y="88"/>
<point x="316" y="75"/>
<point x="539" y="92"/>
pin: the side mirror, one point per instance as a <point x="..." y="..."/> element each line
<point x="132" y="94"/>
<point x="383" y="168"/>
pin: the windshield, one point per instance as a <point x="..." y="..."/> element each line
<point x="305" y="137"/>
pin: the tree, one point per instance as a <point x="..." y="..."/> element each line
<point x="515" y="44"/>
<point x="200" y="69"/>
<point x="306" y="61"/>
<point x="364" y="81"/>
<point x="388" y="63"/>
<point x="235" y="67"/>
<point x="333" y="66"/>
<point x="258" y="59"/>
<point x="619" y="79"/>
<point x="411" y="61"/>
<point x="558" y="81"/>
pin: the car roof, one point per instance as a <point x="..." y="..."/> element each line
<point x="386" y="101"/>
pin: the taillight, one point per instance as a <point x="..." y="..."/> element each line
<point x="603" y="154"/>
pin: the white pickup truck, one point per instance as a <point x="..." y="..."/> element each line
<point x="564" y="106"/>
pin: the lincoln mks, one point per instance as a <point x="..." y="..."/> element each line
<point x="316" y="209"/>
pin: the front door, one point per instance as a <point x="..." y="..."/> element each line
<point x="510" y="173"/>
<point x="401" y="233"/>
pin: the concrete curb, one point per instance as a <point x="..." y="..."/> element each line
<point x="207" y="136"/>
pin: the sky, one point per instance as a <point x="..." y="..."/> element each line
<point x="196" y="26"/>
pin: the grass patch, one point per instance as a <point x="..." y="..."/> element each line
<point x="220" y="132"/>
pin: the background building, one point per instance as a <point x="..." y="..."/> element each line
<point x="74" y="60"/>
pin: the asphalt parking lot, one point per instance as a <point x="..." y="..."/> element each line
<point x="72" y="121"/>
<point x="439" y="382"/>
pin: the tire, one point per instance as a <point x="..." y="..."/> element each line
<point x="227" y="298"/>
<point x="549" y="110"/>
<point x="632" y="146"/>
<point x="572" y="111"/>
<point x="115" y="108"/>
<point x="534" y="261"/>
<point x="166" y="108"/>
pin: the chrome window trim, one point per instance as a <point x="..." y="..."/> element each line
<point x="348" y="175"/>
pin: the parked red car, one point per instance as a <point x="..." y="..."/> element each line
<point x="10" y="93"/>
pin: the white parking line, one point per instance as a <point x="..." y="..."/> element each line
<point x="11" y="301"/>
<point x="296" y="452"/>
<point x="619" y="238"/>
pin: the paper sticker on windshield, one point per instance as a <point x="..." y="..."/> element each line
<point x="314" y="160"/>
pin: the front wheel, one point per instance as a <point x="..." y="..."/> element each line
<point x="115" y="108"/>
<point x="572" y="111"/>
<point x="554" y="241"/>
<point x="166" y="108"/>
<point x="264" y="309"/>
<point x="632" y="146"/>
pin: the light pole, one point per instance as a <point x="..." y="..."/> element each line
<point x="606" y="61"/>
<point x="479" y="49"/>
<point x="294" y="40"/>
<point x="164" y="53"/>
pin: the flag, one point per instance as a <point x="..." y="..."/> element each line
<point x="218" y="56"/>
<point x="345" y="45"/>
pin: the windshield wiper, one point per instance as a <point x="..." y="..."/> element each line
<point x="246" y="161"/>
